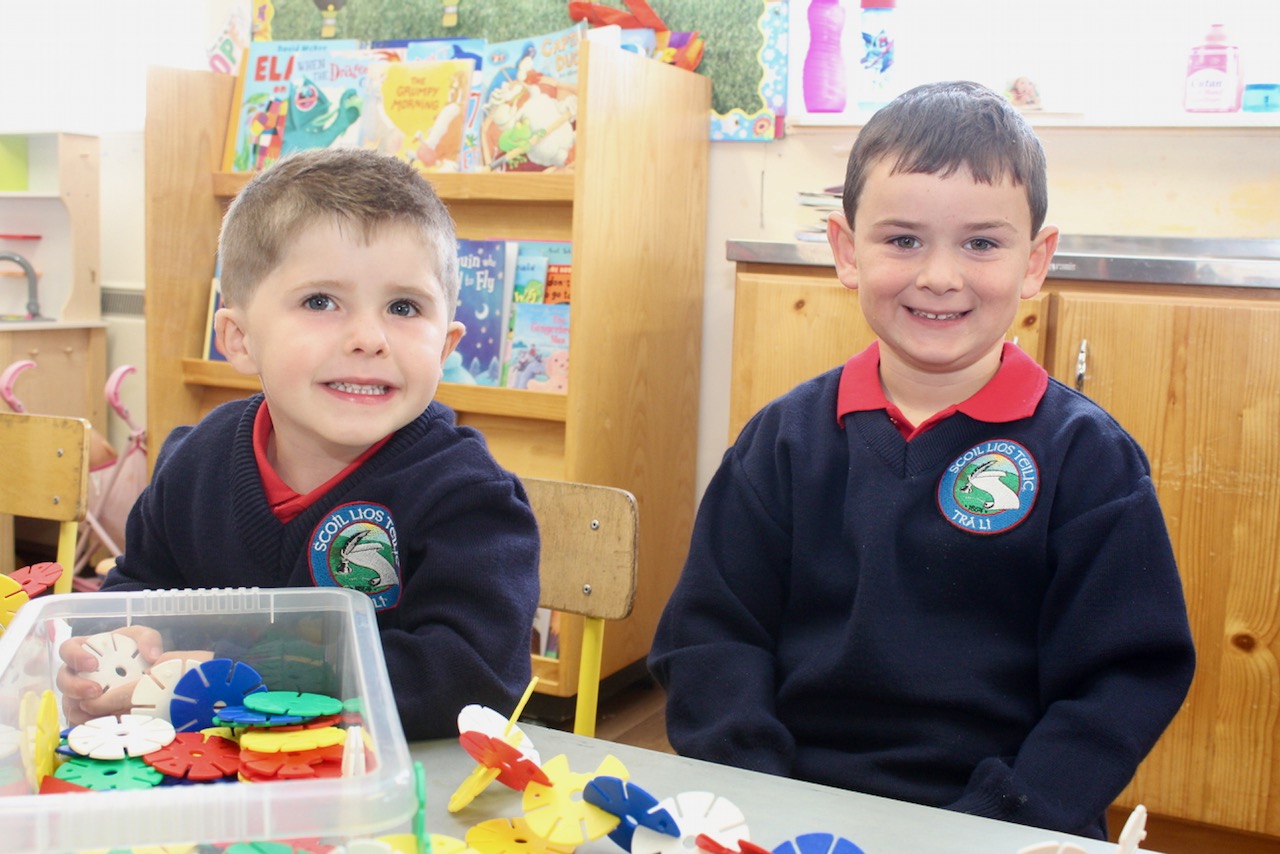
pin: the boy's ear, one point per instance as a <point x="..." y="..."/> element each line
<point x="232" y="340"/>
<point x="1043" y="245"/>
<point x="840" y="236"/>
<point x="452" y="335"/>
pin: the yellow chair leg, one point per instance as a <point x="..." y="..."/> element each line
<point x="66" y="556"/>
<point x="584" y="715"/>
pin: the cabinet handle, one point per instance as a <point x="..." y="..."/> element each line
<point x="1082" y="359"/>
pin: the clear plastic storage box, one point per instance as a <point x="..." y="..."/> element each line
<point x="314" y="640"/>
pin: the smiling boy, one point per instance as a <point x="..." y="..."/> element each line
<point x="339" y="282"/>
<point x="934" y="573"/>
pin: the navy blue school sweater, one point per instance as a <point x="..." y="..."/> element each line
<point x="439" y="537"/>
<point x="987" y="618"/>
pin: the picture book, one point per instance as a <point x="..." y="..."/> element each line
<point x="559" y="255"/>
<point x="538" y="354"/>
<point x="531" y="277"/>
<point x="277" y="75"/>
<point x="530" y="103"/>
<point x="460" y="49"/>
<point x="559" y="277"/>
<point x="415" y="110"/>
<point x="482" y="299"/>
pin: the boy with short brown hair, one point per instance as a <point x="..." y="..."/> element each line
<point x="934" y="574"/>
<point x="340" y="280"/>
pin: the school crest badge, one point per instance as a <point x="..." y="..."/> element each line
<point x="355" y="546"/>
<point x="990" y="488"/>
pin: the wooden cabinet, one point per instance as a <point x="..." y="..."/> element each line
<point x="1193" y="373"/>
<point x="53" y="222"/>
<point x="635" y="209"/>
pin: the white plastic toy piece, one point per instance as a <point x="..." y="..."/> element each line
<point x="110" y="737"/>
<point x="477" y="718"/>
<point x="1053" y="848"/>
<point x="1135" y="830"/>
<point x="695" y="813"/>
<point x="154" y="691"/>
<point x="353" y="764"/>
<point x="118" y="659"/>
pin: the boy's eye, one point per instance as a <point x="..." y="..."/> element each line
<point x="904" y="242"/>
<point x="404" y="308"/>
<point x="982" y="244"/>
<point x="319" y="302"/>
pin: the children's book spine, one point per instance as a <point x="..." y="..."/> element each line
<point x="233" y="117"/>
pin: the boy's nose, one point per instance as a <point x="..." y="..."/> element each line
<point x="940" y="272"/>
<point x="366" y="335"/>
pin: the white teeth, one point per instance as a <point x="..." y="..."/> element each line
<point x="352" y="388"/>
<point x="931" y="316"/>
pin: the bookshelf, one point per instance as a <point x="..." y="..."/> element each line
<point x="634" y="207"/>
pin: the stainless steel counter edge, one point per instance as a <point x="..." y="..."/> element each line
<point x="1169" y="261"/>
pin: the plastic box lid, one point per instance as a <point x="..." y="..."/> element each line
<point x="311" y="635"/>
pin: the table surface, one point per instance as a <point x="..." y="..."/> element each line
<point x="776" y="809"/>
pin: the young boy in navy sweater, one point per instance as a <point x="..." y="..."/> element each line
<point x="934" y="574"/>
<point x="339" y="284"/>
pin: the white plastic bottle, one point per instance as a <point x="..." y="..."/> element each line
<point x="1214" y="83"/>
<point x="876" y="68"/>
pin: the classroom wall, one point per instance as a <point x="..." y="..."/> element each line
<point x="1202" y="182"/>
<point x="1208" y="182"/>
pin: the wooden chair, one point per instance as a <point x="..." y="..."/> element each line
<point x="48" y="477"/>
<point x="588" y="567"/>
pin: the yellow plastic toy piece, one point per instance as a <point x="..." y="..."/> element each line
<point x="12" y="597"/>
<point x="441" y="844"/>
<point x="273" y="741"/>
<point x="38" y="720"/>
<point x="511" y="836"/>
<point x="558" y="814"/>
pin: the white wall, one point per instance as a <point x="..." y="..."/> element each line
<point x="1209" y="182"/>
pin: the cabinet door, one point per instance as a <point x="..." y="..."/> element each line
<point x="1197" y="383"/>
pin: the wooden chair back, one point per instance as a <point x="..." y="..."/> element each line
<point x="48" y="476"/>
<point x="588" y="567"/>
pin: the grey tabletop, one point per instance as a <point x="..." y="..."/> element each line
<point x="776" y="809"/>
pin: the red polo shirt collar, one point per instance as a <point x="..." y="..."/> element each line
<point x="1013" y="393"/>
<point x="285" y="503"/>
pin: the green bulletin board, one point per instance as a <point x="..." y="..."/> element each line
<point x="745" y="55"/>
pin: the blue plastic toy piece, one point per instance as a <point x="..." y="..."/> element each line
<point x="208" y="688"/>
<point x="245" y="716"/>
<point x="632" y="804"/>
<point x="818" y="843"/>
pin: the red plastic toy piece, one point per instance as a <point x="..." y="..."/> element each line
<point x="302" y="764"/>
<point x="37" y="578"/>
<point x="194" y="756"/>
<point x="706" y="843"/>
<point x="515" y="770"/>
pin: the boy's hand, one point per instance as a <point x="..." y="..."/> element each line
<point x="88" y="692"/>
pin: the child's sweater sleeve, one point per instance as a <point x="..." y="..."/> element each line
<point x="718" y="629"/>
<point x="1116" y="663"/>
<point x="467" y="612"/>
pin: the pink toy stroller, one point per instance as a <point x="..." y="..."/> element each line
<point x="115" y="480"/>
